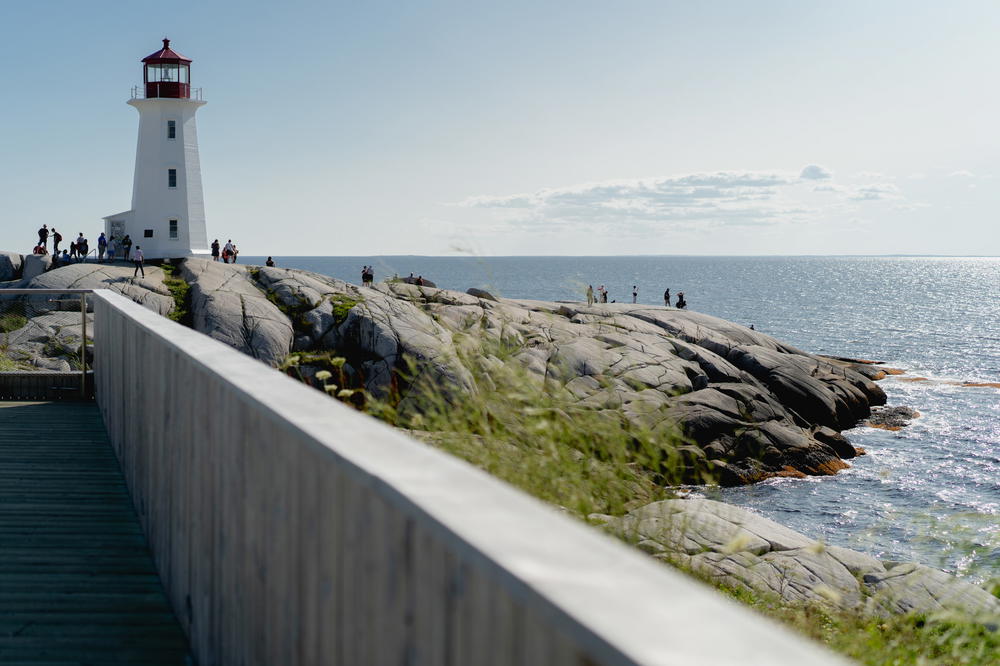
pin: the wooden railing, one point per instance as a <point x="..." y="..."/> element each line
<point x="290" y="529"/>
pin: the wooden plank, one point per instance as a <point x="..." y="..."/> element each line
<point x="77" y="583"/>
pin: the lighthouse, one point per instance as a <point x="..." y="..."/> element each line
<point x="167" y="218"/>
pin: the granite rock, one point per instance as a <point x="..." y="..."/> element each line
<point x="11" y="265"/>
<point x="228" y="306"/>
<point x="753" y="405"/>
<point x="742" y="549"/>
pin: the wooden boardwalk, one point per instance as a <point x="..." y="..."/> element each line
<point x="77" y="583"/>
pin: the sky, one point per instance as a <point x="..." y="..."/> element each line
<point x="525" y="128"/>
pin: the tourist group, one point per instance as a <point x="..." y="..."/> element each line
<point x="601" y="296"/>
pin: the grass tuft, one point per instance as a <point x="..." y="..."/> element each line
<point x="181" y="291"/>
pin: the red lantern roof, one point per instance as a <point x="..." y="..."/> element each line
<point x="166" y="55"/>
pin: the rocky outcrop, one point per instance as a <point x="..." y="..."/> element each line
<point x="44" y="331"/>
<point x="755" y="406"/>
<point x="891" y="418"/>
<point x="35" y="265"/>
<point x="418" y="281"/>
<point x="752" y="405"/>
<point x="227" y="306"/>
<point x="744" y="550"/>
<point x="148" y="291"/>
<point x="11" y="265"/>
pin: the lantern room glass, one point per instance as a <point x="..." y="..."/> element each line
<point x="168" y="73"/>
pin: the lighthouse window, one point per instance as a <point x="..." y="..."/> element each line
<point x="171" y="177"/>
<point x="173" y="228"/>
<point x="171" y="129"/>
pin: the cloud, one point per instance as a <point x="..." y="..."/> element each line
<point x="961" y="174"/>
<point x="876" y="192"/>
<point x="815" y="172"/>
<point x="696" y="202"/>
<point x="871" y="175"/>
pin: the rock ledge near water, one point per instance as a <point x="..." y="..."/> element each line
<point x="752" y="405"/>
<point x="756" y="407"/>
<point x="742" y="549"/>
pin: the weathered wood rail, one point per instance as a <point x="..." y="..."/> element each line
<point x="289" y="529"/>
<point x="41" y="385"/>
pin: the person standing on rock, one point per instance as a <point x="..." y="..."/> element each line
<point x="215" y="250"/>
<point x="127" y="247"/>
<point x="269" y="263"/>
<point x="82" y="247"/>
<point x="681" y="303"/>
<point x="635" y="293"/>
<point x="56" y="239"/>
<point x="666" y="297"/>
<point x="604" y="293"/>
<point x="137" y="258"/>
<point x="112" y="247"/>
<point x="590" y="294"/>
<point x="43" y="235"/>
<point x="102" y="247"/>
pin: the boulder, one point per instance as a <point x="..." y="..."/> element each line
<point x="35" y="265"/>
<point x="480" y="293"/>
<point x="11" y="265"/>
<point x="227" y="306"/>
<point x="741" y="549"/>
<point x="419" y="281"/>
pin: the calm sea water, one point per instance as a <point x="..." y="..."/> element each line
<point x="930" y="492"/>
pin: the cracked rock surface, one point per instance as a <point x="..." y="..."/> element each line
<point x="228" y="306"/>
<point x="755" y="406"/>
<point x="50" y="336"/>
<point x="744" y="550"/>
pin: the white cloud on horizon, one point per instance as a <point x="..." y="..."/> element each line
<point x="815" y="172"/>
<point x="694" y="202"/>
<point x="876" y="192"/>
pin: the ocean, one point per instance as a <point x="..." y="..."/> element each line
<point x="928" y="493"/>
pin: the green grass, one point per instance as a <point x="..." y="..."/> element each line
<point x="12" y="322"/>
<point x="532" y="435"/>
<point x="8" y="364"/>
<point x="181" y="291"/>
<point x="526" y="432"/>
<point x="342" y="305"/>
<point x="946" y="639"/>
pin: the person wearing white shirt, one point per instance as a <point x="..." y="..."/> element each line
<point x="137" y="257"/>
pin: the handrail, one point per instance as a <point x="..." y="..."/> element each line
<point x="83" y="323"/>
<point x="289" y="528"/>
<point x="139" y="92"/>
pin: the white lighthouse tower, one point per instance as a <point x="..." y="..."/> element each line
<point x="168" y="209"/>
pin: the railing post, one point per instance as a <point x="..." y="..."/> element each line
<point x="83" y="346"/>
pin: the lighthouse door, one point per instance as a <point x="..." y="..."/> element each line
<point x="117" y="228"/>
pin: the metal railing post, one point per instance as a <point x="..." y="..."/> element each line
<point x="83" y="346"/>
